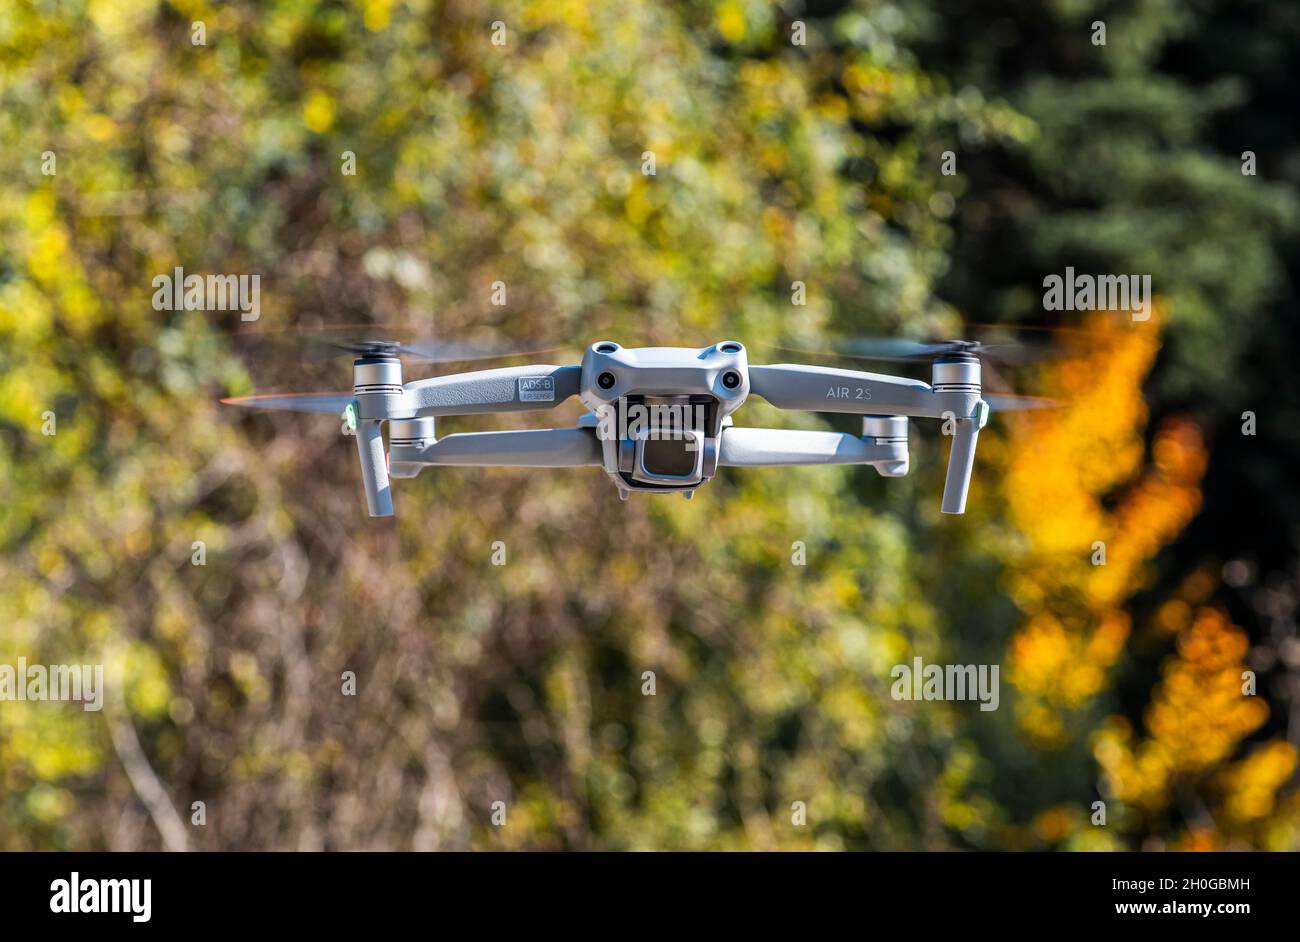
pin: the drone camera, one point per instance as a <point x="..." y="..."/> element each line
<point x="668" y="449"/>
<point x="674" y="461"/>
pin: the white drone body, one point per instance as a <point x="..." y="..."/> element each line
<point x="659" y="420"/>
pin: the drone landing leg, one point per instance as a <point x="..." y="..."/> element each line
<point x="374" y="468"/>
<point x="961" y="461"/>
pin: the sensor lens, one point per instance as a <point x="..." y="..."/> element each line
<point x="605" y="380"/>
<point x="731" y="379"/>
<point x="667" y="457"/>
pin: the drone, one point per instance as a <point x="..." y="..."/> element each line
<point x="659" y="419"/>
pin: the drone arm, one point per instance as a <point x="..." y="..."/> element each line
<point x="824" y="389"/>
<point x="510" y="389"/>
<point x="771" y="447"/>
<point x="519" y="448"/>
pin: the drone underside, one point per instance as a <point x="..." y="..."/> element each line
<point x="659" y="418"/>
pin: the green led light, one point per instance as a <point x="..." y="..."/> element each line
<point x="350" y="416"/>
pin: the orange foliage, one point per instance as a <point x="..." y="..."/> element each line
<point x="1251" y="785"/>
<point x="1062" y="467"/>
<point x="1079" y="483"/>
<point x="1196" y="719"/>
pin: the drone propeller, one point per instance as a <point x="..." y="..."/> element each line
<point x="323" y="403"/>
<point x="898" y="349"/>
<point x="436" y="351"/>
<point x="1010" y="402"/>
<point x="314" y="342"/>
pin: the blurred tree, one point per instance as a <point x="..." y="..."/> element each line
<point x="476" y="163"/>
<point x="511" y="146"/>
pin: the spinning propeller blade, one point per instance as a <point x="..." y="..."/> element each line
<point x="902" y="349"/>
<point x="445" y="351"/>
<point x="899" y="349"/>
<point x="438" y="351"/>
<point x="324" y="403"/>
<point x="1009" y="402"/>
<point x="312" y="342"/>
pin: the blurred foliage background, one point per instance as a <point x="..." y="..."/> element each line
<point x="522" y="163"/>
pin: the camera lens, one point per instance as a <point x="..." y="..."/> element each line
<point x="668" y="458"/>
<point x="605" y="380"/>
<point x="731" y="379"/>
